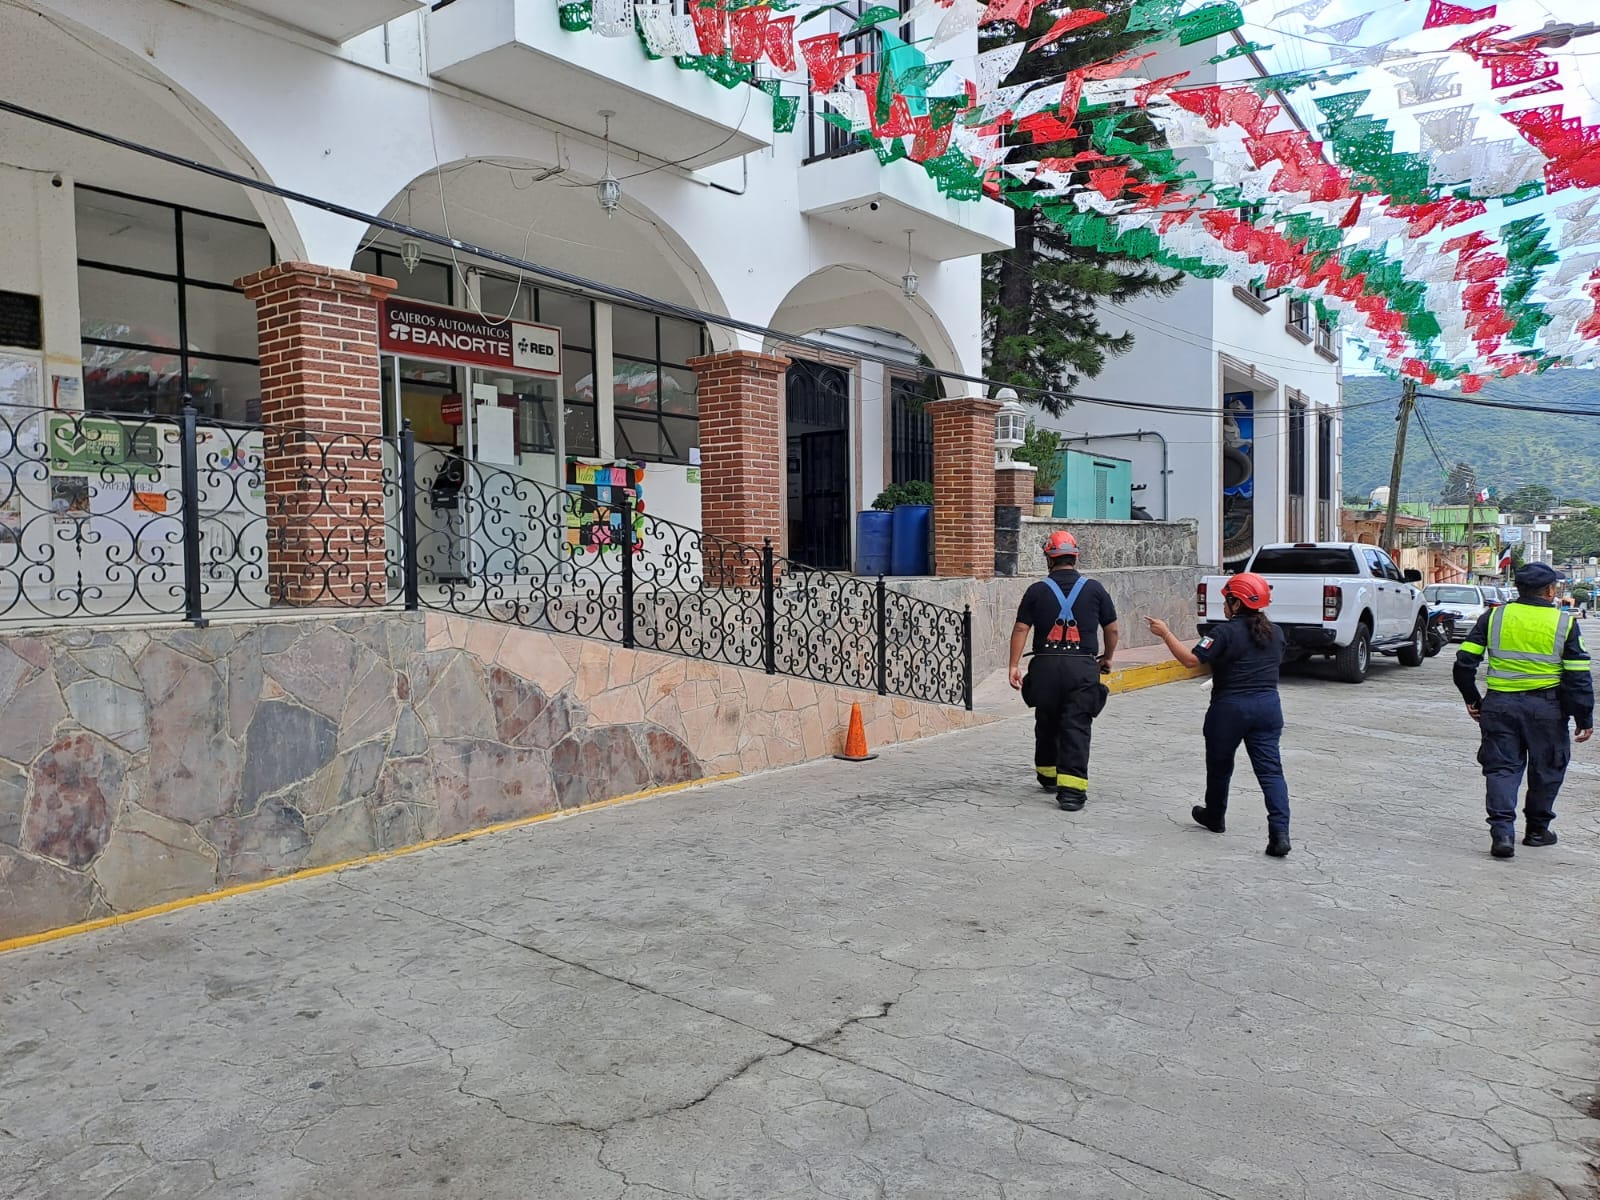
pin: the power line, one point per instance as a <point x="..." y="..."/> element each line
<point x="580" y="282"/>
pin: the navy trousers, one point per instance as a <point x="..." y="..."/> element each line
<point x="1523" y="732"/>
<point x="1256" y="719"/>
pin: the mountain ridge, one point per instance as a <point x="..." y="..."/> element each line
<point x="1507" y="449"/>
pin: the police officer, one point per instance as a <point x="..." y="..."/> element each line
<point x="1538" y="679"/>
<point x="1245" y="655"/>
<point x="1067" y="614"/>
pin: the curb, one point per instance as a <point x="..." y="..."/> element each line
<point x="1132" y="679"/>
<point x="156" y="910"/>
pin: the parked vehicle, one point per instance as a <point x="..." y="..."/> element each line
<point x="1442" y="624"/>
<point x="1338" y="600"/>
<point x="1467" y="599"/>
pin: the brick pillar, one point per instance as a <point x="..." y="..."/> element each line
<point x="963" y="486"/>
<point x="322" y="417"/>
<point x="1013" y="486"/>
<point x="741" y="459"/>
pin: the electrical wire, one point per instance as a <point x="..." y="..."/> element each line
<point x="571" y="279"/>
<point x="1509" y="406"/>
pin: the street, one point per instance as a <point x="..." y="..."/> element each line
<point x="913" y="977"/>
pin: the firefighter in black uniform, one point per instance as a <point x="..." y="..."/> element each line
<point x="1067" y="614"/>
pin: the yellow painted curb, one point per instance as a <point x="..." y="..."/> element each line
<point x="1131" y="679"/>
<point x="156" y="910"/>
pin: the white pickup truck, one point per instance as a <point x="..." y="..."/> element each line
<point x="1338" y="600"/>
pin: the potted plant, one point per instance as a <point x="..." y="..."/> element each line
<point x="908" y="508"/>
<point x="1042" y="450"/>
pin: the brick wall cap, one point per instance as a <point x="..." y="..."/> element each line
<point x="765" y="364"/>
<point x="964" y="405"/>
<point x="355" y="284"/>
<point x="1015" y="466"/>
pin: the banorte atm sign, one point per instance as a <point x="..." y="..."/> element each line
<point x="453" y="335"/>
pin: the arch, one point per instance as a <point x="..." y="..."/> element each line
<point x="844" y="295"/>
<point x="537" y="213"/>
<point x="59" y="66"/>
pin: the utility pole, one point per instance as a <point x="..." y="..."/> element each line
<point x="1472" y="535"/>
<point x="1408" y="401"/>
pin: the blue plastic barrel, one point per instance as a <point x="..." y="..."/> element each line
<point x="912" y="551"/>
<point x="874" y="533"/>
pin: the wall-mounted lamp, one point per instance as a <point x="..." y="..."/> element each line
<point x="608" y="189"/>
<point x="909" y="281"/>
<point x="1010" y="425"/>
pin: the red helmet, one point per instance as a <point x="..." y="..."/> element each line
<point x="1061" y="544"/>
<point x="1249" y="589"/>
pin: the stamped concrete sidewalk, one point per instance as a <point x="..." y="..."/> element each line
<point x="908" y="978"/>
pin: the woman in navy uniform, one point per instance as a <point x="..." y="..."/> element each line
<point x="1245" y="655"/>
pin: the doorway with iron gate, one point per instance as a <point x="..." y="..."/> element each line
<point x="818" y="459"/>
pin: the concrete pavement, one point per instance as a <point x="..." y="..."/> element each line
<point x="908" y="978"/>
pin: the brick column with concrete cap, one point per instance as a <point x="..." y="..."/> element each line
<point x="322" y="417"/>
<point x="1013" y="486"/>
<point x="963" y="486"/>
<point x="742" y="471"/>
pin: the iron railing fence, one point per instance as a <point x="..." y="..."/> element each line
<point x="108" y="516"/>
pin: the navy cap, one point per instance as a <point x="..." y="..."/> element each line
<point x="1537" y="575"/>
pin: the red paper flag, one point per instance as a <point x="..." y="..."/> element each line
<point x="1441" y="13"/>
<point x="1076" y="18"/>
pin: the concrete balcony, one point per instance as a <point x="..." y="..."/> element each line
<point x="516" y="52"/>
<point x="336" y="20"/>
<point x="856" y="192"/>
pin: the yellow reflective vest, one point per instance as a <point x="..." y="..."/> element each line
<point x="1526" y="647"/>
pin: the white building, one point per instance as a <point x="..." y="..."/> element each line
<point x="481" y="121"/>
<point x="1532" y="536"/>
<point x="1270" y="469"/>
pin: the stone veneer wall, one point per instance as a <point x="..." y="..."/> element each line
<point x="144" y="765"/>
<point x="1149" y="567"/>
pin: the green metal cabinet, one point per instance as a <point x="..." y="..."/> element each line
<point x="1094" y="487"/>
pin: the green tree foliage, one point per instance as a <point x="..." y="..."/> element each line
<point x="1509" y="449"/>
<point x="1041" y="300"/>
<point x="1529" y="498"/>
<point x="1576" y="537"/>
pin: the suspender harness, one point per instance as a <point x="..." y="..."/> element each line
<point x="1064" y="634"/>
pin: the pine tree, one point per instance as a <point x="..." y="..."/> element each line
<point x="1462" y="485"/>
<point x="1041" y="299"/>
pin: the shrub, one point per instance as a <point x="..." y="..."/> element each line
<point x="915" y="491"/>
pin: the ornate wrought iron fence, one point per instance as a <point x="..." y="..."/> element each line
<point x="106" y="516"/>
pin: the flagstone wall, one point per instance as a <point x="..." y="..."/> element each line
<point x="144" y="765"/>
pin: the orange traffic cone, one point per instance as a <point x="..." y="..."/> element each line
<point x="855" y="742"/>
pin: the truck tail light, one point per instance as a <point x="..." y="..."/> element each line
<point x="1332" y="601"/>
<point x="1200" y="601"/>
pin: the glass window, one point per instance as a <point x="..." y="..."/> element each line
<point x="226" y="391"/>
<point x="503" y="299"/>
<point x="679" y="392"/>
<point x="582" y="434"/>
<point x="127" y="308"/>
<point x="142" y="349"/>
<point x="220" y="322"/>
<point x="573" y="315"/>
<point x="430" y="282"/>
<point x="219" y="251"/>
<point x="638" y="438"/>
<point x="1304" y="560"/>
<point x="633" y="333"/>
<point x="635" y="385"/>
<point x="680" y="340"/>
<point x="126" y="233"/>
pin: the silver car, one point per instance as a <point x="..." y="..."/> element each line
<point x="1470" y="601"/>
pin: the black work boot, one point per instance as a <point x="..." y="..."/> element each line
<point x="1539" y="837"/>
<point x="1071" y="799"/>
<point x="1502" y="846"/>
<point x="1047" y="782"/>
<point x="1278" y="843"/>
<point x="1203" y="816"/>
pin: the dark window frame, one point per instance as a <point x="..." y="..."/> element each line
<point x="180" y="279"/>
<point x="662" y="421"/>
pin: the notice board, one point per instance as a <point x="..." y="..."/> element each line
<point x="21" y="321"/>
<point x="594" y="513"/>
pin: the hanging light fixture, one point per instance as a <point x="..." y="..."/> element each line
<point x="608" y="190"/>
<point x="410" y="248"/>
<point x="1010" y="425"/>
<point x="909" y="281"/>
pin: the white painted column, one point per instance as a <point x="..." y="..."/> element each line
<point x="605" y="419"/>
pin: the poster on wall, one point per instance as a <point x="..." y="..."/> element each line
<point x="20" y="399"/>
<point x="594" y="515"/>
<point x="1238" y="475"/>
